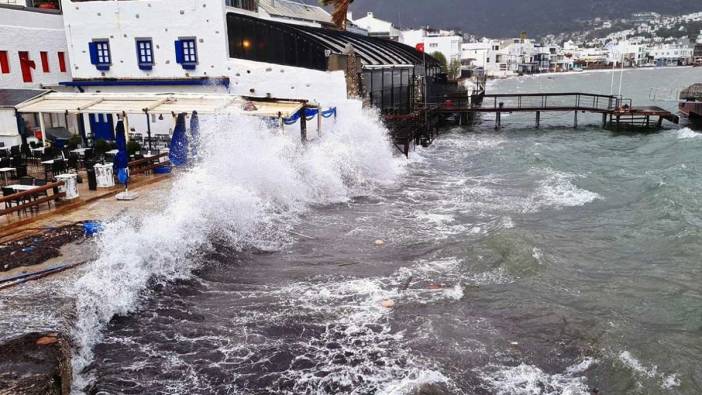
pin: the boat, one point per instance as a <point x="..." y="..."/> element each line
<point x="690" y="104"/>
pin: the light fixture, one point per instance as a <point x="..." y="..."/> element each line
<point x="160" y="117"/>
<point x="246" y="44"/>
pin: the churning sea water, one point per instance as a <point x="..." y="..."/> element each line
<point x="524" y="261"/>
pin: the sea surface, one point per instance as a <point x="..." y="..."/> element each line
<point x="519" y="261"/>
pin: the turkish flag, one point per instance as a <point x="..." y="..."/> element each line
<point x="420" y="47"/>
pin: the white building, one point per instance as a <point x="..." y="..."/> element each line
<point x="629" y="53"/>
<point x="188" y="46"/>
<point x="33" y="54"/>
<point x="376" y="27"/>
<point x="448" y="42"/>
<point x="33" y="50"/>
<point x="677" y="54"/>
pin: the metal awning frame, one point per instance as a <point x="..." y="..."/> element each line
<point x="156" y="103"/>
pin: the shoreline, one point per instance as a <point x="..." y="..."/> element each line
<point x="568" y="73"/>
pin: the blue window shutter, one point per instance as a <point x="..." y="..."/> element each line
<point x="92" y="48"/>
<point x="179" y="51"/>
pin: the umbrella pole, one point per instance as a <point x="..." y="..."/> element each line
<point x="148" y="129"/>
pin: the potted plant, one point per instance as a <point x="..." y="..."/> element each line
<point x="101" y="146"/>
<point x="74" y="141"/>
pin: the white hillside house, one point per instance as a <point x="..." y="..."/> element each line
<point x="448" y="42"/>
<point x="377" y="27"/>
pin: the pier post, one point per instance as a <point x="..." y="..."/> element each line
<point x="575" y="120"/>
<point x="660" y="122"/>
<point x="303" y="126"/>
<point x="498" y="117"/>
<point x="538" y="119"/>
<point x="619" y="117"/>
<point x="604" y="120"/>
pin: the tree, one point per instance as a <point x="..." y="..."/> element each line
<point x="442" y="60"/>
<point x="454" y="69"/>
<point x="341" y="8"/>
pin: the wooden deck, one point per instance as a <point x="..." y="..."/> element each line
<point x="617" y="112"/>
<point x="10" y="223"/>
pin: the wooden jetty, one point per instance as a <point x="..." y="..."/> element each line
<point x="617" y="113"/>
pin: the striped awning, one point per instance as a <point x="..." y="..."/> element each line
<point x="154" y="103"/>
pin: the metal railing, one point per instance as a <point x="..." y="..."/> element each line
<point x="555" y="101"/>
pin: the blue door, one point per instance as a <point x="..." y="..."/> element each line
<point x="101" y="127"/>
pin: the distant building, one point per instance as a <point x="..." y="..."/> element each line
<point x="33" y="54"/>
<point x="33" y="49"/>
<point x="678" y="54"/>
<point x="377" y="27"/>
<point x="448" y="42"/>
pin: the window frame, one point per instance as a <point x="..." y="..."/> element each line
<point x="44" y="56"/>
<point x="4" y="62"/>
<point x="145" y="53"/>
<point x="61" y="61"/>
<point x="186" y="52"/>
<point x="101" y="54"/>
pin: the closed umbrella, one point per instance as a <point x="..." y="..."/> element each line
<point x="179" y="143"/>
<point x="121" y="163"/>
<point x="194" y="133"/>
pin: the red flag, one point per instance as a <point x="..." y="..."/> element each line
<point x="420" y="47"/>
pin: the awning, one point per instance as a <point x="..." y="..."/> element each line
<point x="9" y="98"/>
<point x="155" y="103"/>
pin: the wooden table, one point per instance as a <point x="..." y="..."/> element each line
<point x="21" y="188"/>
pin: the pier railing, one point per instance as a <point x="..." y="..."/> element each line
<point x="553" y="102"/>
<point x="31" y="198"/>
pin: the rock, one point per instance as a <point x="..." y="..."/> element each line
<point x="388" y="303"/>
<point x="35" y="363"/>
<point x="379" y="242"/>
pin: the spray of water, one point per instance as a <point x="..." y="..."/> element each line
<point x="249" y="187"/>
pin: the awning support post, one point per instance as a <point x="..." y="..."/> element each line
<point x="303" y="126"/>
<point x="148" y="128"/>
<point x="319" y="121"/>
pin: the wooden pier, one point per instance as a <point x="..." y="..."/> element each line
<point x="617" y="113"/>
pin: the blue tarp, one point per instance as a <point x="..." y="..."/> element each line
<point x="121" y="162"/>
<point x="310" y="113"/>
<point x="179" y="143"/>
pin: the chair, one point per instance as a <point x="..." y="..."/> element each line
<point x="26" y="180"/>
<point x="40" y="183"/>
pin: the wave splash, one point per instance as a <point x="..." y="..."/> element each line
<point x="248" y="191"/>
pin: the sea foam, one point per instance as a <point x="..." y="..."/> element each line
<point x="247" y="191"/>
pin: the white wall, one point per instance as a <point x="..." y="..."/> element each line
<point x="8" y="127"/>
<point x="32" y="31"/>
<point x="449" y="45"/>
<point x="164" y="21"/>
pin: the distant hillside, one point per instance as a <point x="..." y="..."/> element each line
<point x="501" y="18"/>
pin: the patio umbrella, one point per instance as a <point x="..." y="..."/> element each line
<point x="194" y="133"/>
<point x="179" y="143"/>
<point x="121" y="163"/>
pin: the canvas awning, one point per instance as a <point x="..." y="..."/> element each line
<point x="155" y="103"/>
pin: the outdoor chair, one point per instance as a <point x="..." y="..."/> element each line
<point x="26" y="180"/>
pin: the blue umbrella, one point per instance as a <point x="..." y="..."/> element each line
<point x="194" y="133"/>
<point x="121" y="163"/>
<point x="179" y="143"/>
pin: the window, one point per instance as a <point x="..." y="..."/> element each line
<point x="186" y="53"/>
<point x="100" y="54"/>
<point x="62" y="62"/>
<point x="26" y="65"/>
<point x="4" y="62"/>
<point x="145" y="53"/>
<point x="44" y="61"/>
<point x="243" y="4"/>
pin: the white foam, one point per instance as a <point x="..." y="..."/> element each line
<point x="687" y="133"/>
<point x="557" y="190"/>
<point x="529" y="380"/>
<point x="666" y="381"/>
<point x="248" y="192"/>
